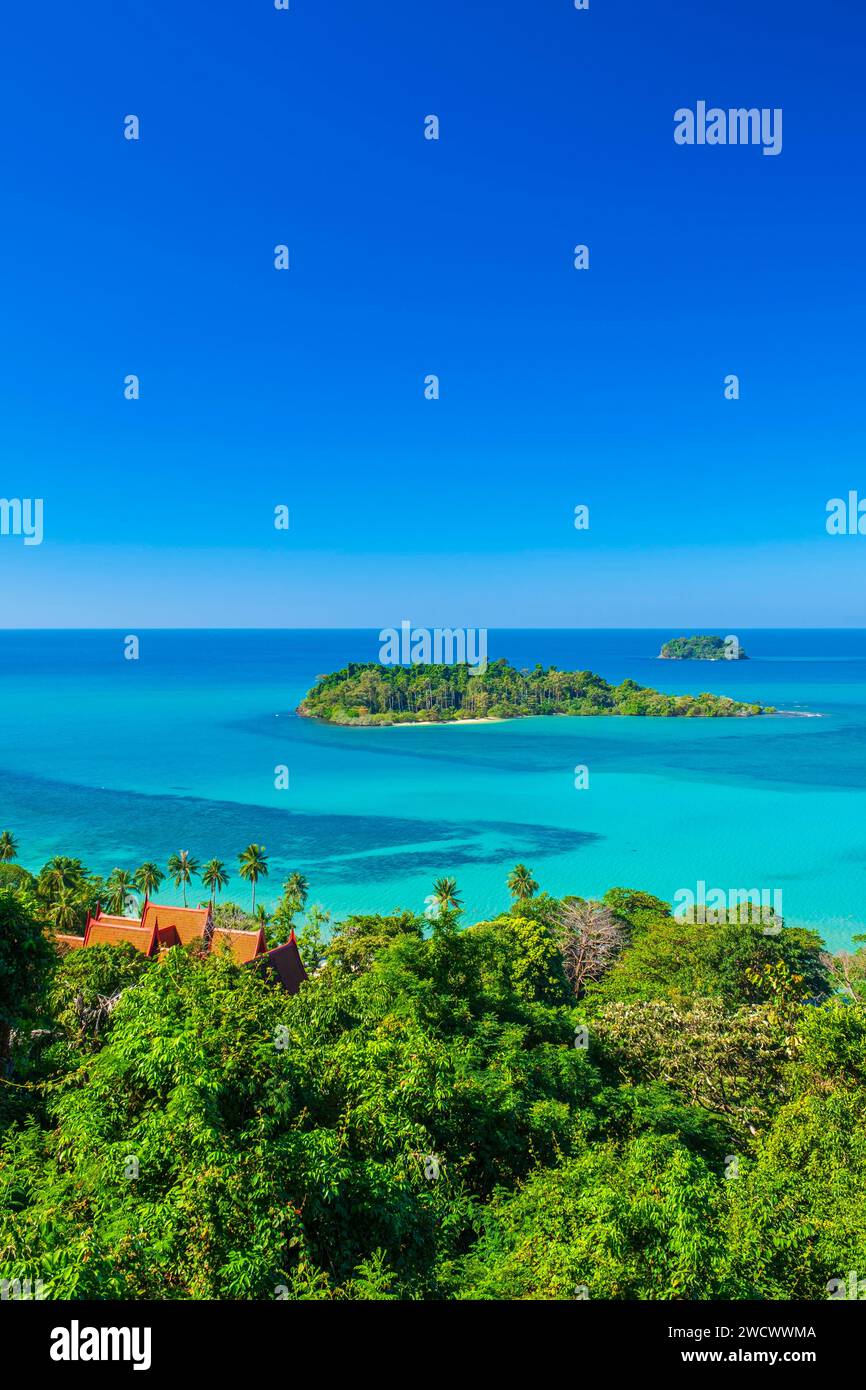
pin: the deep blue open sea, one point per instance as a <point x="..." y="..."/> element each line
<point x="118" y="761"/>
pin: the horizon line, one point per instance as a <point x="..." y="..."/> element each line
<point x="373" y="627"/>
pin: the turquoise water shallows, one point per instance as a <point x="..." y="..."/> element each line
<point x="117" y="761"/>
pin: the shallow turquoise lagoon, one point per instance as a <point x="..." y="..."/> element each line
<point x="117" y="761"/>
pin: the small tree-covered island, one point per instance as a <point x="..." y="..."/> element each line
<point x="372" y="694"/>
<point x="702" y="648"/>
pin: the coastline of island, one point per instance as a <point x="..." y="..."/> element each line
<point x="436" y="723"/>
<point x="373" y="695"/>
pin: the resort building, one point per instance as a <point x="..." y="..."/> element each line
<point x="286" y="962"/>
<point x="161" y="927"/>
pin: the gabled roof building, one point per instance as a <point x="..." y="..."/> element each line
<point x="161" y="927"/>
<point x="286" y="963"/>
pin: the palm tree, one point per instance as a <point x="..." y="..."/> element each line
<point x="148" y="877"/>
<point x="182" y="868"/>
<point x="214" y="877"/>
<point x="254" y="865"/>
<point x="65" y="911"/>
<point x="59" y="873"/>
<point x="296" y="889"/>
<point x="119" y="885"/>
<point x="521" y="884"/>
<point x="445" y="895"/>
<point x="8" y="846"/>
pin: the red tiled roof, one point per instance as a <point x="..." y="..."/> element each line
<point x="180" y="926"/>
<point x="173" y="926"/>
<point x="107" y="920"/>
<point x="103" y="932"/>
<point x="242" y="946"/>
<point x="187" y="923"/>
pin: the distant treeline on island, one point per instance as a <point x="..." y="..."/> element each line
<point x="373" y="694"/>
<point x="703" y="648"/>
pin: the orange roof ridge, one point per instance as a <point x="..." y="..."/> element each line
<point x="188" y="923"/>
<point x="170" y="907"/>
<point x="242" y="946"/>
<point x="101" y="933"/>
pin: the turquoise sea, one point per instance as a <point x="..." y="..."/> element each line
<point x="117" y="761"/>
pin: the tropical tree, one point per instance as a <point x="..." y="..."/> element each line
<point x="59" y="873"/>
<point x="8" y="846"/>
<point x="684" y="961"/>
<point x="359" y="939"/>
<point x="253" y="866"/>
<point x="591" y="939"/>
<point x="292" y="901"/>
<point x="120" y="886"/>
<point x="232" y="917"/>
<point x="729" y="1063"/>
<point x="521" y="884"/>
<point x="517" y="1154"/>
<point x="446" y="898"/>
<point x="296" y="889"/>
<point x="847" y="971"/>
<point x="16" y="876"/>
<point x="605" y="1224"/>
<point x="182" y="868"/>
<point x="66" y="911"/>
<point x="85" y="987"/>
<point x="311" y="938"/>
<point x="214" y="877"/>
<point x="26" y="958"/>
<point x="148" y="877"/>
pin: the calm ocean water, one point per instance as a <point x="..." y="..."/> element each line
<point x="117" y="761"/>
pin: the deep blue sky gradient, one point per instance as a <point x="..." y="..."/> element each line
<point x="409" y="257"/>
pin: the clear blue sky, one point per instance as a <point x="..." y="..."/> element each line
<point x="412" y="257"/>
